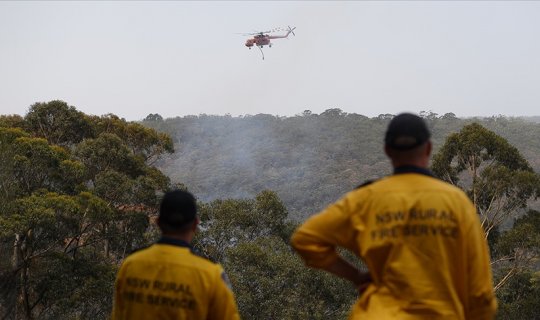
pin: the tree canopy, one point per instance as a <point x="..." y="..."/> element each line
<point x="309" y="160"/>
<point x="499" y="182"/>
<point x="494" y="174"/>
<point x="76" y="195"/>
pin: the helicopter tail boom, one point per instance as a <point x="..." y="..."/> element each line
<point x="289" y="31"/>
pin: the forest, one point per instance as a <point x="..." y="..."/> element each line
<point x="310" y="160"/>
<point x="80" y="192"/>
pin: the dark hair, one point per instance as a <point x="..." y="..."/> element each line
<point x="406" y="131"/>
<point x="177" y="211"/>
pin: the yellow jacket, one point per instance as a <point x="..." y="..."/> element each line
<point x="422" y="242"/>
<point x="168" y="281"/>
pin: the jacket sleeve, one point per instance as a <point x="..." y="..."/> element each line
<point x="481" y="300"/>
<point x="316" y="240"/>
<point x="222" y="303"/>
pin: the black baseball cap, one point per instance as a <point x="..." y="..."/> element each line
<point x="178" y="208"/>
<point x="406" y="131"/>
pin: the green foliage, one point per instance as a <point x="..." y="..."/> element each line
<point x="114" y="187"/>
<point x="519" y="299"/>
<point x="516" y="252"/>
<point x="11" y="121"/>
<point x="499" y="181"/>
<point x="8" y="135"/>
<point x="524" y="235"/>
<point x="36" y="164"/>
<point x="73" y="175"/>
<point x="532" y="217"/>
<point x="77" y="288"/>
<point x="142" y="141"/>
<point x="75" y="199"/>
<point x="310" y="160"/>
<point x="78" y="193"/>
<point x="492" y="172"/>
<point x="250" y="238"/>
<point x="57" y="122"/>
<point x="9" y="186"/>
<point x="472" y="146"/>
<point x="108" y="152"/>
<point x="153" y="117"/>
<point x="271" y="282"/>
<point x="51" y="232"/>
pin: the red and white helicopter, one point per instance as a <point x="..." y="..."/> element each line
<point x="261" y="39"/>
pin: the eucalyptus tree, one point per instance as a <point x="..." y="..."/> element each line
<point x="77" y="194"/>
<point x="57" y="122"/>
<point x="271" y="282"/>
<point x="250" y="237"/>
<point x="518" y="299"/>
<point x="227" y="222"/>
<point x="500" y="182"/>
<point x="491" y="171"/>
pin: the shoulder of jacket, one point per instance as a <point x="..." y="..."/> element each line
<point x="366" y="183"/>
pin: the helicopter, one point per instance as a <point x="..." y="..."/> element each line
<point x="261" y="39"/>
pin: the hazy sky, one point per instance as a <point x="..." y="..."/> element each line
<point x="178" y="58"/>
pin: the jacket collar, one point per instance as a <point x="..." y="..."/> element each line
<point x="174" y="242"/>
<point x="412" y="169"/>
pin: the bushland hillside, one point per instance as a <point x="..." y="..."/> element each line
<point x="80" y="192"/>
<point x="309" y="159"/>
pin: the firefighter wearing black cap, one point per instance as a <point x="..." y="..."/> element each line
<point x="167" y="280"/>
<point x="420" y="238"/>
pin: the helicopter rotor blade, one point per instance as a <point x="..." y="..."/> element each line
<point x="278" y="29"/>
<point x="256" y="33"/>
<point x="292" y="30"/>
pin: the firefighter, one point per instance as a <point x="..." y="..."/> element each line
<point x="419" y="237"/>
<point x="168" y="280"/>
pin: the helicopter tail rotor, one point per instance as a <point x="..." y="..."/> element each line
<point x="291" y="30"/>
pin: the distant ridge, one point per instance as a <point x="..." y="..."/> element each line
<point x="310" y="159"/>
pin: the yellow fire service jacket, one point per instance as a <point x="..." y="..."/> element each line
<point x="420" y="238"/>
<point x="168" y="281"/>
